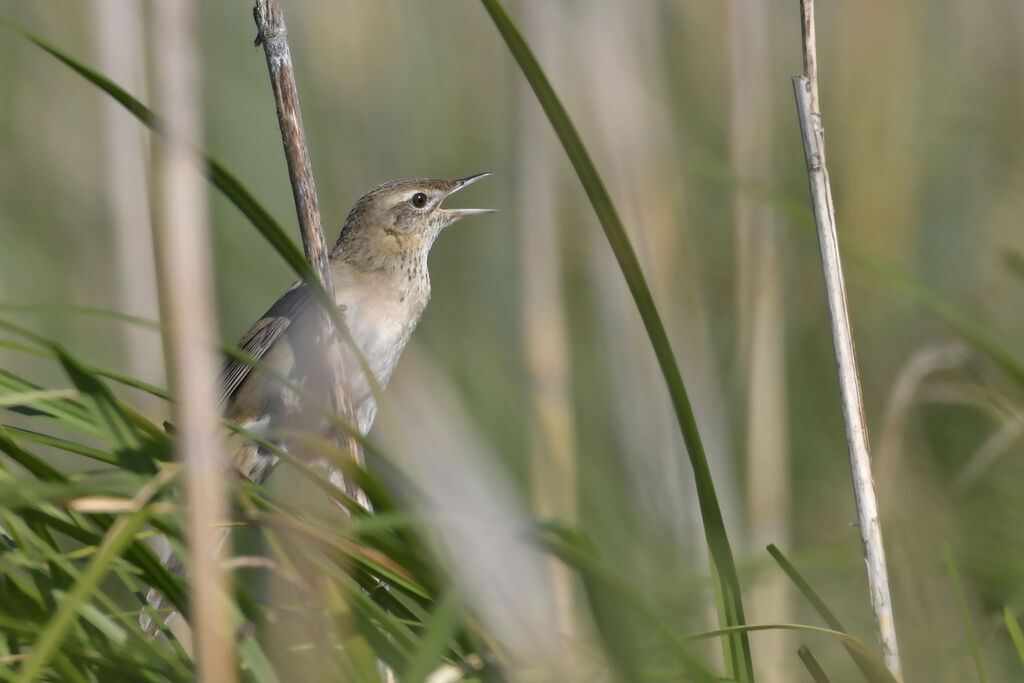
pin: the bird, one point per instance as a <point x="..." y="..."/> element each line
<point x="381" y="287"/>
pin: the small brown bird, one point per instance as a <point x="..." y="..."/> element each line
<point x="381" y="286"/>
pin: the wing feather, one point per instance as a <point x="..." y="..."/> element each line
<point x="262" y="336"/>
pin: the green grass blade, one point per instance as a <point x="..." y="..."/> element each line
<point x="730" y="603"/>
<point x="805" y="588"/>
<point x="116" y="427"/>
<point x="1015" y="633"/>
<point x="977" y="334"/>
<point x="67" y="412"/>
<point x="865" y="665"/>
<point x="29" y="461"/>
<point x="811" y="664"/>
<point x="62" y="444"/>
<point x="120" y="535"/>
<point x="221" y="178"/>
<point x="876" y="671"/>
<point x="972" y="637"/>
<point x="28" y="398"/>
<point x="577" y="552"/>
<point x="434" y="642"/>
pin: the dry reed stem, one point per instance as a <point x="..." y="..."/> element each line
<point x="118" y="30"/>
<point x="186" y="301"/>
<point x="545" y="338"/>
<point x="760" y="330"/>
<point x="272" y="34"/>
<point x="842" y="337"/>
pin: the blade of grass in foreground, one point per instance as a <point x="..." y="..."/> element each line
<point x="117" y="540"/>
<point x="812" y="666"/>
<point x="435" y="639"/>
<point x="864" y="664"/>
<point x="723" y="569"/>
<point x="876" y="671"/>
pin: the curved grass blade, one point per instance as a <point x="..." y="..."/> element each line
<point x="118" y="538"/>
<point x="62" y="444"/>
<point x="27" y="398"/>
<point x="723" y="567"/>
<point x="811" y="664"/>
<point x="876" y="670"/>
<point x="67" y="412"/>
<point x="433" y="643"/>
<point x="864" y="664"/>
<point x="117" y="429"/>
<point x="221" y="178"/>
<point x="577" y="552"/>
<point x="99" y="372"/>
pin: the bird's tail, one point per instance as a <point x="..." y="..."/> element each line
<point x="161" y="605"/>
<point x="252" y="462"/>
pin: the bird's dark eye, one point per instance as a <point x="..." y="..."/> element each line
<point x="419" y="200"/>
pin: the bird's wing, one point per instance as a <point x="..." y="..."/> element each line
<point x="262" y="336"/>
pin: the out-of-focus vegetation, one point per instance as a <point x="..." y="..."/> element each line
<point x="517" y="398"/>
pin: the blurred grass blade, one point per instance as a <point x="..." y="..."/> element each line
<point x="865" y="665"/>
<point x="972" y="637"/>
<point x="116" y="428"/>
<point x="434" y="641"/>
<point x="577" y="552"/>
<point x="1015" y="633"/>
<point x="221" y="178"/>
<point x="120" y="535"/>
<point x="977" y="334"/>
<point x="62" y="444"/>
<point x="67" y="412"/>
<point x="723" y="569"/>
<point x="812" y="666"/>
<point x="27" y="398"/>
<point x="876" y="671"/>
<point x="38" y="468"/>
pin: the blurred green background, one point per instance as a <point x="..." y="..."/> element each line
<point x="687" y="108"/>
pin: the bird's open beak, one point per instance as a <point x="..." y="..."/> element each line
<point x="456" y="214"/>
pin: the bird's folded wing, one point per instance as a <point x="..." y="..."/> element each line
<point x="262" y="336"/>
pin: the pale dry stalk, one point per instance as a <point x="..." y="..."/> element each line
<point x="185" y="284"/>
<point x="760" y="327"/>
<point x="851" y="399"/>
<point x="545" y="337"/>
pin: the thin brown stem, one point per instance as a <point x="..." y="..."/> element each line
<point x="273" y="36"/>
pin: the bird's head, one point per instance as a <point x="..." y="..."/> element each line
<point x="394" y="225"/>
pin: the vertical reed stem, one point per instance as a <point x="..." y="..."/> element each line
<point x="852" y="402"/>
<point x="186" y="302"/>
<point x="273" y="36"/>
<point x="545" y="337"/>
<point x="760" y="329"/>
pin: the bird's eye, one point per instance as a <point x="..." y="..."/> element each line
<point x="419" y="200"/>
